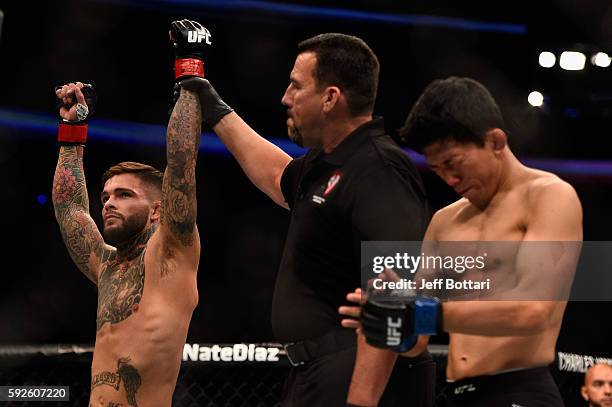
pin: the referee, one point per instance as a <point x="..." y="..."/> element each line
<point x="354" y="184"/>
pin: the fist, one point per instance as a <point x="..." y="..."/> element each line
<point x="396" y="322"/>
<point x="190" y="39"/>
<point x="76" y="101"/>
<point x="388" y="325"/>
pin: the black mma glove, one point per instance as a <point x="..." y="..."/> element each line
<point x="395" y="324"/>
<point x="192" y="43"/>
<point x="74" y="114"/>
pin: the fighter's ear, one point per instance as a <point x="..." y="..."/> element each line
<point x="155" y="211"/>
<point x="331" y="96"/>
<point x="497" y="138"/>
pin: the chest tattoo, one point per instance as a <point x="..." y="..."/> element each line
<point x="120" y="290"/>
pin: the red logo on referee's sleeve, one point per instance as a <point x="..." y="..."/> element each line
<point x="331" y="184"/>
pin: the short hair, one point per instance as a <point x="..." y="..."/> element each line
<point x="349" y="63"/>
<point x="593" y="367"/>
<point x="459" y="109"/>
<point x="149" y="175"/>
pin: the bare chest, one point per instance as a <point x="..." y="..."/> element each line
<point x="506" y="221"/>
<point x="120" y="289"/>
<point x="493" y="235"/>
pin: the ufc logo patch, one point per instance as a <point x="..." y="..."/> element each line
<point x="394" y="335"/>
<point x="198" y="36"/>
<point x="465" y="388"/>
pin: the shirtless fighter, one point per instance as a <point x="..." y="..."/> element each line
<point x="498" y="350"/>
<point x="146" y="264"/>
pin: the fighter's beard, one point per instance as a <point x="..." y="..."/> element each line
<point x="130" y="238"/>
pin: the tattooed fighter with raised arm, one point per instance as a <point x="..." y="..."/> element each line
<point x="145" y="266"/>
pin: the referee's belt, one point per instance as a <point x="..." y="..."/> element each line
<point x="302" y="352"/>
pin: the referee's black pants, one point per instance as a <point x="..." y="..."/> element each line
<point x="324" y="382"/>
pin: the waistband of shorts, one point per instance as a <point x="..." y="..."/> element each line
<point x="507" y="382"/>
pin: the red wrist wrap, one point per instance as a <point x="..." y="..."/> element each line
<point x="188" y="67"/>
<point x="70" y="133"/>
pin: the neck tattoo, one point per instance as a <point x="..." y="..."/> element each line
<point x="133" y="247"/>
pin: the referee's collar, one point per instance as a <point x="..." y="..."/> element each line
<point x="348" y="146"/>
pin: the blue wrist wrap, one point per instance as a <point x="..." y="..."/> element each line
<point x="426" y="316"/>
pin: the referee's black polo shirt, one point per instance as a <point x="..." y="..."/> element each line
<point x="365" y="189"/>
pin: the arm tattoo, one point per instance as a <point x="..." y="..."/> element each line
<point x="71" y="204"/>
<point x="126" y="373"/>
<point x="179" y="191"/>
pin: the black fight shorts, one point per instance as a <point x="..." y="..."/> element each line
<point x="533" y="387"/>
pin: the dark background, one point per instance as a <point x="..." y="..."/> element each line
<point x="121" y="47"/>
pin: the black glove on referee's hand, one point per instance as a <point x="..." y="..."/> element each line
<point x="213" y="107"/>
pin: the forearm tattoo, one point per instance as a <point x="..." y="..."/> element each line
<point x="179" y="190"/>
<point x="71" y="204"/>
<point x="126" y="373"/>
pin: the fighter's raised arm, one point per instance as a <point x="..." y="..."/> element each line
<point x="179" y="207"/>
<point x="70" y="199"/>
<point x="262" y="161"/>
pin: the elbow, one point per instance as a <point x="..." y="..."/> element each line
<point x="533" y="317"/>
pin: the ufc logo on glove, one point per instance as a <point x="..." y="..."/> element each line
<point x="393" y="333"/>
<point x="198" y="36"/>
